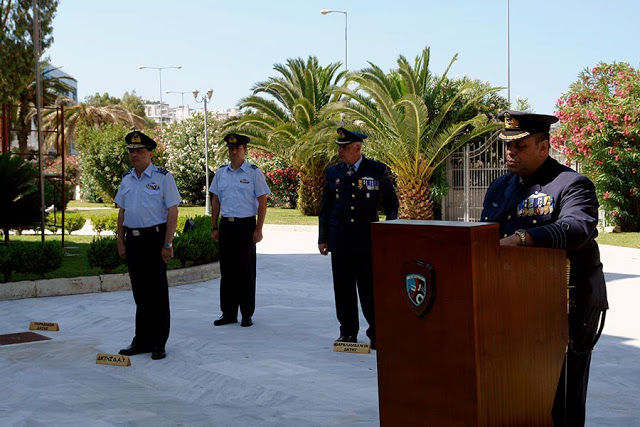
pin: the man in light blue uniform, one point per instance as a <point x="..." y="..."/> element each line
<point x="148" y="199"/>
<point x="238" y="193"/>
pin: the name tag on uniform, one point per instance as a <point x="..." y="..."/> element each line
<point x="244" y="181"/>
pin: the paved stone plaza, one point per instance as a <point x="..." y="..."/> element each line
<point x="280" y="372"/>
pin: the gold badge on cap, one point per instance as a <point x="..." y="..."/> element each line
<point x="341" y="134"/>
<point x="135" y="139"/>
<point x="232" y="139"/>
<point x="510" y="122"/>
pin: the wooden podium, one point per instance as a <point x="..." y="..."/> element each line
<point x="489" y="348"/>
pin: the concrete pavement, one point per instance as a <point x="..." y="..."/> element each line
<point x="280" y="372"/>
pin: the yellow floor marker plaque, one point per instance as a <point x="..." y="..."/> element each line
<point x="113" y="359"/>
<point x="351" y="347"/>
<point x="43" y="326"/>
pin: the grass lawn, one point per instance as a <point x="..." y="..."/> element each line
<point x="274" y="215"/>
<point x="75" y="262"/>
<point x="627" y="240"/>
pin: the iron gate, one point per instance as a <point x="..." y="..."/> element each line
<point x="470" y="171"/>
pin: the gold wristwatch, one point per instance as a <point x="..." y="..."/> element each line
<point x="522" y="234"/>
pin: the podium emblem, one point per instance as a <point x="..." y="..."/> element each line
<point x="420" y="287"/>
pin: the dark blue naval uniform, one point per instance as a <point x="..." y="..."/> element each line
<point x="559" y="209"/>
<point x="349" y="206"/>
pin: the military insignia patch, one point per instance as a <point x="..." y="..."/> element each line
<point x="419" y="286"/>
<point x="153" y="186"/>
<point x="244" y="181"/>
<point x="536" y="204"/>
<point x="135" y="139"/>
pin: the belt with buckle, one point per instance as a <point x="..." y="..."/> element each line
<point x="236" y="219"/>
<point x="137" y="232"/>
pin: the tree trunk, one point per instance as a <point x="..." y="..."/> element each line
<point x="415" y="200"/>
<point x="310" y="190"/>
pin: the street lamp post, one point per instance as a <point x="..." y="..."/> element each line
<point x="508" y="61"/>
<point x="205" y="99"/>
<point x="181" y="95"/>
<point x="142" y="67"/>
<point x="327" y="11"/>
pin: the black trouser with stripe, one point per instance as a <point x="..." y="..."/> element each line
<point x="585" y="327"/>
<point x="351" y="271"/>
<point x="148" y="273"/>
<point x="237" y="266"/>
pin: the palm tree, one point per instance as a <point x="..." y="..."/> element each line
<point x="94" y="116"/>
<point x="415" y="120"/>
<point x="288" y="125"/>
<point x="52" y="86"/>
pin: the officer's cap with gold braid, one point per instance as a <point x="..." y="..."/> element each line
<point x="347" y="136"/>
<point x="235" y="139"/>
<point x="519" y="125"/>
<point x="137" y="139"/>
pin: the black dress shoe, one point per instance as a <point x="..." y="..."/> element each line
<point x="347" y="338"/>
<point x="246" y="321"/>
<point x="158" y="353"/>
<point x="133" y="349"/>
<point x="224" y="320"/>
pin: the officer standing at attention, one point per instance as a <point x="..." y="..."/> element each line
<point x="148" y="200"/>
<point x="352" y="190"/>
<point x="238" y="193"/>
<point x="543" y="203"/>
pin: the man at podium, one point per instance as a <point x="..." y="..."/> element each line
<point x="540" y="202"/>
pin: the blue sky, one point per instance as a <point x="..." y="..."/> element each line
<point x="230" y="45"/>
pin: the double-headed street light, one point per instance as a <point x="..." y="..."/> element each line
<point x="205" y="100"/>
<point x="142" y="67"/>
<point x="327" y="11"/>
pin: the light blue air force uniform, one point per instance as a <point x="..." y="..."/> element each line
<point x="238" y="190"/>
<point x="146" y="200"/>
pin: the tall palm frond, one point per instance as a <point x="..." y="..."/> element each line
<point x="414" y="120"/>
<point x="76" y="113"/>
<point x="285" y="115"/>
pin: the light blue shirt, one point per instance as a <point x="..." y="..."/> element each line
<point x="146" y="200"/>
<point x="238" y="190"/>
<point x="356" y="165"/>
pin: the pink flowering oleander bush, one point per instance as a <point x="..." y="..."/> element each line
<point x="599" y="125"/>
<point x="281" y="177"/>
<point x="184" y="150"/>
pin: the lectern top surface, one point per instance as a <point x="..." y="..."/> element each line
<point x="438" y="223"/>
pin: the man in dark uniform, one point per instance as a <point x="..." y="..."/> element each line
<point x="238" y="193"/>
<point x="352" y="190"/>
<point x="543" y="203"/>
<point x="148" y="200"/>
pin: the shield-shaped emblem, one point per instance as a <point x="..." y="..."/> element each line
<point x="419" y="285"/>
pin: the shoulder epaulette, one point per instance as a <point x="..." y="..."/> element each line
<point x="254" y="167"/>
<point x="127" y="172"/>
<point x="163" y="171"/>
<point x="223" y="166"/>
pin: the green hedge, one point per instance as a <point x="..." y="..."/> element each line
<point x="195" y="246"/>
<point x="31" y="257"/>
<point x="103" y="253"/>
<point x="104" y="223"/>
<point x="72" y="222"/>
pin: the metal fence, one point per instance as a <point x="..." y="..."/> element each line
<point x="470" y="171"/>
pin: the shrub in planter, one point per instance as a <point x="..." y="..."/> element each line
<point x="103" y="253"/>
<point x="39" y="258"/>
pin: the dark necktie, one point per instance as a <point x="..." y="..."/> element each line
<point x="351" y="169"/>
